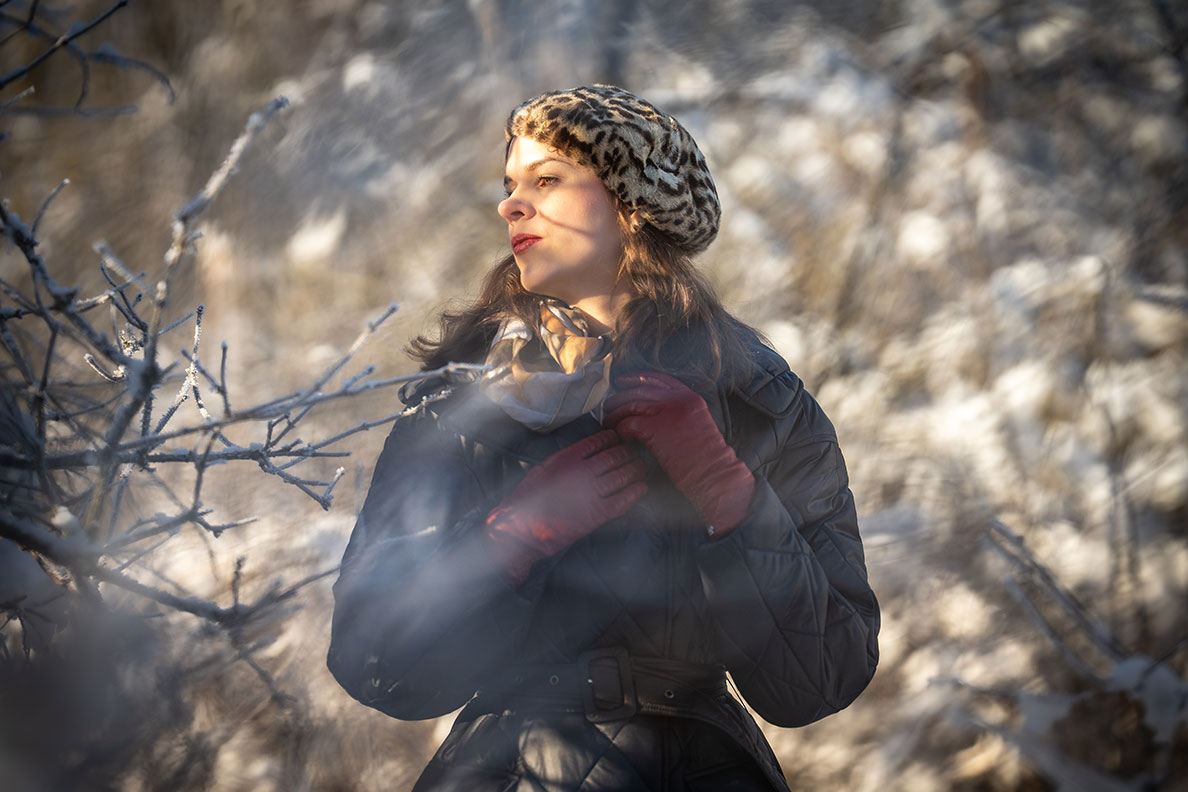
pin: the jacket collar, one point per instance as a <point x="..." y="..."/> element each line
<point x="772" y="390"/>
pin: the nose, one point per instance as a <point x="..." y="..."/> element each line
<point x="514" y="208"/>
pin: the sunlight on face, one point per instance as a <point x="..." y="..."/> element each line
<point x="562" y="224"/>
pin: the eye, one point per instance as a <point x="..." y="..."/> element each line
<point x="545" y="181"/>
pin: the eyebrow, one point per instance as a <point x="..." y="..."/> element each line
<point x="534" y="165"/>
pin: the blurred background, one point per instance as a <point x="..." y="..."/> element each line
<point x="963" y="222"/>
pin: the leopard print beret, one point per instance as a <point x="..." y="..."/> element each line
<point x="642" y="155"/>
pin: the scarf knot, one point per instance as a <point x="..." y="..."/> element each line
<point x="545" y="377"/>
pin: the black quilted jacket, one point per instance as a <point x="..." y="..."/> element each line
<point x="423" y="620"/>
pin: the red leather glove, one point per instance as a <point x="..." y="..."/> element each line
<point x="562" y="499"/>
<point x="676" y="426"/>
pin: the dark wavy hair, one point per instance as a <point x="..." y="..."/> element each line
<point x="675" y="324"/>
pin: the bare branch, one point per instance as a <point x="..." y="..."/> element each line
<point x="79" y="555"/>
<point x="4" y="106"/>
<point x="175" y="324"/>
<point x="27" y="26"/>
<point x="144" y="375"/>
<point x="275" y="409"/>
<point x="109" y="259"/>
<point x="198" y="204"/>
<point x="198" y="607"/>
<point x="108" y="296"/>
<point x="33" y="537"/>
<point x="221" y="386"/>
<point x="192" y="371"/>
<point x="45" y="205"/>
<point x="14" y="350"/>
<point x="338" y="474"/>
<point x="107" y="54"/>
<point x="1070" y="657"/>
<point x="117" y="376"/>
<point x="337" y="366"/>
<point x="76" y="31"/>
<point x="97" y="476"/>
<point x="308" y="451"/>
<point x="1010" y="546"/>
<point x="372" y="327"/>
<point x="23" y="25"/>
<point x="22" y="237"/>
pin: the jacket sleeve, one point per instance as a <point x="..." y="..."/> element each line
<point x="793" y="615"/>
<point x="420" y="612"/>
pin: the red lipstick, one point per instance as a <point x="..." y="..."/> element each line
<point x="521" y="242"/>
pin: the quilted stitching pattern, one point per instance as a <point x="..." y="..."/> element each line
<point x="422" y="618"/>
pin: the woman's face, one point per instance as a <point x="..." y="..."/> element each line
<point x="563" y="225"/>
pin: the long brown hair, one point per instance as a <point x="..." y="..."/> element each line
<point x="675" y="323"/>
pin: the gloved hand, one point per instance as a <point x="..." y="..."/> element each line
<point x="562" y="499"/>
<point x="676" y="426"/>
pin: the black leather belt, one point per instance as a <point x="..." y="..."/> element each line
<point x="608" y="684"/>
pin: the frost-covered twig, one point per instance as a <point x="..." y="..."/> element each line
<point x="276" y="409"/>
<point x="46" y="204"/>
<point x="214" y="185"/>
<point x="337" y="366"/>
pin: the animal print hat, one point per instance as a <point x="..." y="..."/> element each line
<point x="642" y="155"/>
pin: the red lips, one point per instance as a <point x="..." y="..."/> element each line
<point x="521" y="242"/>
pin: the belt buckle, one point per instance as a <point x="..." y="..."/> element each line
<point x="626" y="691"/>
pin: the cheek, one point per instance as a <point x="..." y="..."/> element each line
<point x="611" y="234"/>
<point x="603" y="222"/>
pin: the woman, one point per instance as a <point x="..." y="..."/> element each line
<point x="640" y="497"/>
